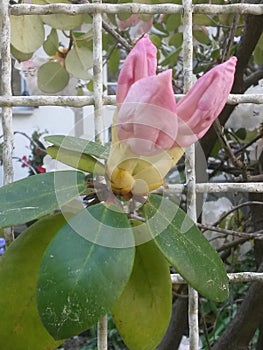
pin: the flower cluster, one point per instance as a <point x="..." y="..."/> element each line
<point x="35" y="161"/>
<point x="2" y="246"/>
<point x="151" y="130"/>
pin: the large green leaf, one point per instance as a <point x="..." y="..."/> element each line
<point x="22" y="28"/>
<point x="143" y="311"/>
<point x="186" y="248"/>
<point x="78" y="62"/>
<point x="20" y="326"/>
<point x="114" y="60"/>
<point x="20" y="56"/>
<point x="35" y="196"/>
<point x="173" y="22"/>
<point x="76" y="160"/>
<point x="79" y="145"/>
<point x="52" y="77"/>
<point x="60" y="21"/>
<point x="63" y="22"/>
<point x="51" y="44"/>
<point x="80" y="280"/>
<point x="201" y="36"/>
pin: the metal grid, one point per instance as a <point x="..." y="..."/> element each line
<point x="96" y="8"/>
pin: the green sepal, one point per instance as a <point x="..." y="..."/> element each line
<point x="80" y="145"/>
<point x="76" y="160"/>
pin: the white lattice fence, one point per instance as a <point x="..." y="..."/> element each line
<point x="98" y="100"/>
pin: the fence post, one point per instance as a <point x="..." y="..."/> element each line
<point x="102" y="328"/>
<point x="6" y="90"/>
<point x="190" y="166"/>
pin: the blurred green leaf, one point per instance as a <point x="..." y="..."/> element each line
<point x="143" y="311"/>
<point x="20" y="56"/>
<point x="176" y="40"/>
<point x="20" y="326"/>
<point x="241" y="133"/>
<point x="77" y="160"/>
<point x="202" y="20"/>
<point x="60" y="21"/>
<point x="186" y="248"/>
<point x="22" y="28"/>
<point x="52" y="77"/>
<point x="77" y="144"/>
<point x="123" y="16"/>
<point x="51" y="44"/>
<point x="79" y="61"/>
<point x="80" y="279"/>
<point x="157" y="41"/>
<point x="171" y="59"/>
<point x="35" y="196"/>
<point x="201" y="36"/>
<point x="114" y="61"/>
<point x="173" y="22"/>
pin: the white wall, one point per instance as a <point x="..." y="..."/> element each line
<point x="55" y="120"/>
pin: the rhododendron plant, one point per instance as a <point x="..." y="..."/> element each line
<point x="112" y="251"/>
<point x="151" y="129"/>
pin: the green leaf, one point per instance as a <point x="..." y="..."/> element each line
<point x="60" y="21"/>
<point x="201" y="36"/>
<point x="22" y="28"/>
<point x="114" y="61"/>
<point x="123" y="16"/>
<point x="186" y="248"/>
<point x="80" y="279"/>
<point x="38" y="195"/>
<point x="143" y="311"/>
<point x="172" y="58"/>
<point x="79" y="61"/>
<point x="63" y="22"/>
<point x="176" y="40"/>
<point x="83" y="39"/>
<point x="20" y="326"/>
<point x="20" y="56"/>
<point x="156" y="40"/>
<point x="51" y="44"/>
<point x="77" y="160"/>
<point x="202" y="20"/>
<point x="79" y="145"/>
<point x="52" y="77"/>
<point x="173" y="22"/>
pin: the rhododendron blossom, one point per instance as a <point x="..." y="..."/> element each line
<point x="149" y="111"/>
<point x="151" y="130"/>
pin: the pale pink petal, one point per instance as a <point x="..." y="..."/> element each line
<point x="140" y="28"/>
<point x="204" y="102"/>
<point x="140" y="63"/>
<point x="147" y="119"/>
<point x="129" y="22"/>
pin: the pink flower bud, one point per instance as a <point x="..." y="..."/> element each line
<point x="146" y="120"/>
<point x="149" y="121"/>
<point x="204" y="102"/>
<point x="140" y="63"/>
